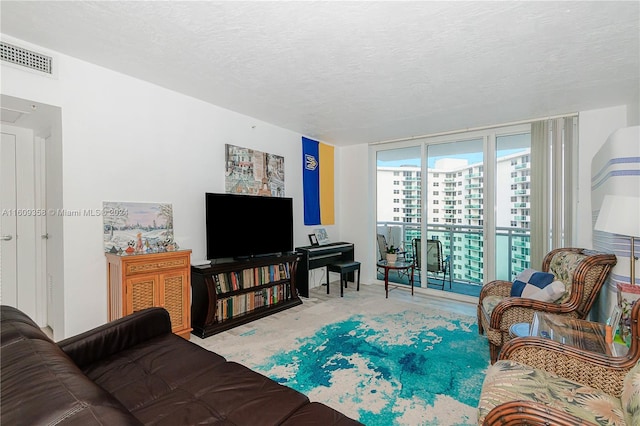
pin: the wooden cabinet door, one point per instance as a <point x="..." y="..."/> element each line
<point x="174" y="297"/>
<point x="142" y="292"/>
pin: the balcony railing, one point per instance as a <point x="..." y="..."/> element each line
<point x="465" y="267"/>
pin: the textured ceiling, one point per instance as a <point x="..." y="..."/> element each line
<point x="354" y="72"/>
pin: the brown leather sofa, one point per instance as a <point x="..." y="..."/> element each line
<point x="134" y="371"/>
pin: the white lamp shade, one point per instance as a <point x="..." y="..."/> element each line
<point x="619" y="214"/>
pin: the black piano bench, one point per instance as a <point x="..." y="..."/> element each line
<point x="343" y="268"/>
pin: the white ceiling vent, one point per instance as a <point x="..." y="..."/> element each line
<point x="26" y="58"/>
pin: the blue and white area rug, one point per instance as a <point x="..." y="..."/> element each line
<point x="381" y="361"/>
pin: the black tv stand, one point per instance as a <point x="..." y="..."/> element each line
<point x="229" y="294"/>
<point x="258" y="256"/>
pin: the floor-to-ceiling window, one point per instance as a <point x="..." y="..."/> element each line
<point x="469" y="190"/>
<point x="512" y="200"/>
<point x="398" y="189"/>
<point x="454" y="205"/>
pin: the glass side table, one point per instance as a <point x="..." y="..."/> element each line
<point x="581" y="334"/>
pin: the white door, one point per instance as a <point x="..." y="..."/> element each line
<point x="8" y="221"/>
<point x="20" y="241"/>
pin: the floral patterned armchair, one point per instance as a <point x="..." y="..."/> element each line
<point x="583" y="273"/>
<point x="538" y="381"/>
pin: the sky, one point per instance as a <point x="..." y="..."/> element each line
<point x="475" y="157"/>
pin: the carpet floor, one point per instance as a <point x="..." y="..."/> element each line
<point x="406" y="360"/>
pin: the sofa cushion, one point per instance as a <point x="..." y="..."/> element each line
<point x="631" y="396"/>
<point x="41" y="385"/>
<point x="508" y="380"/>
<point x="317" y="414"/>
<point x="170" y="381"/>
<point x="490" y="302"/>
<point x="562" y="266"/>
<point x="16" y="326"/>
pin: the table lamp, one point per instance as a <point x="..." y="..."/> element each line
<point x="620" y="214"/>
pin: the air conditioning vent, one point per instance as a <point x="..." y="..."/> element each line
<point x="26" y="58"/>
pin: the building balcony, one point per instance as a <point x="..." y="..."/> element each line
<point x="522" y="166"/>
<point x="463" y="244"/>
<point x="520" y="243"/>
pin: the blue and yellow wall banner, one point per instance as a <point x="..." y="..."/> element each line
<point x="318" y="182"/>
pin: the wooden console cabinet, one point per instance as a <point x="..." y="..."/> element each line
<point x="141" y="281"/>
<point x="226" y="295"/>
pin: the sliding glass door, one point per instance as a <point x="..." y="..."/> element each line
<point x="399" y="199"/>
<point x="470" y="193"/>
<point x="454" y="205"/>
<point x="513" y="212"/>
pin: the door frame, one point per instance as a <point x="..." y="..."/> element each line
<point x="31" y="266"/>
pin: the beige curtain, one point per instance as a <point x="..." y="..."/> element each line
<point x="552" y="194"/>
<point x="540" y="152"/>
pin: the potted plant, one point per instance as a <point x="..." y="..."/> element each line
<point x="392" y="254"/>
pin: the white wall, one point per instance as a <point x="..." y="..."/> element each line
<point x="356" y="211"/>
<point x="124" y="139"/>
<point x="633" y="114"/>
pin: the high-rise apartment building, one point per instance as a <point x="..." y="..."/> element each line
<point x="453" y="208"/>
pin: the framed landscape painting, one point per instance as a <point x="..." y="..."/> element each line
<point x="141" y="227"/>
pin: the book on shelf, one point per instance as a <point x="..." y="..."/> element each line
<point x="229" y="307"/>
<point x="252" y="277"/>
<point x="216" y="279"/>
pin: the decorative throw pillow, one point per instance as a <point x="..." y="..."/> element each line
<point x="550" y="293"/>
<point x="529" y="282"/>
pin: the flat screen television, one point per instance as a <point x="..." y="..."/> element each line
<point x="241" y="226"/>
